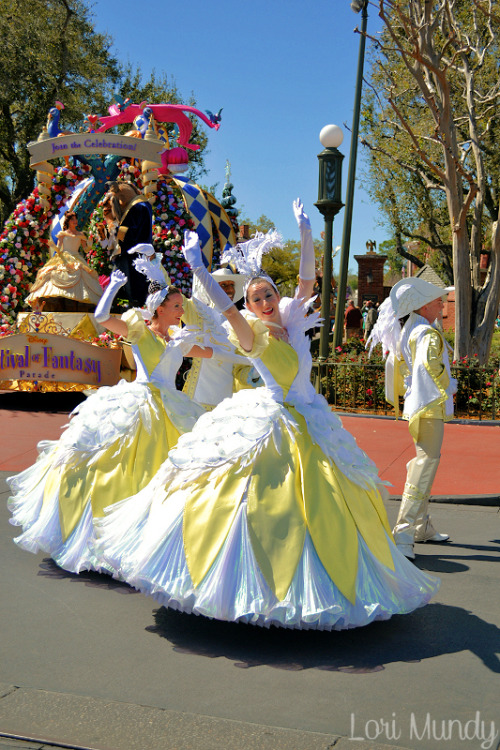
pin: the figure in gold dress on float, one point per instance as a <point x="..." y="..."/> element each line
<point x="66" y="283"/>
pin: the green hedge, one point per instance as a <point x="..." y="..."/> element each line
<point x="351" y="381"/>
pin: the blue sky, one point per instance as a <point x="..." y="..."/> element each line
<point x="281" y="70"/>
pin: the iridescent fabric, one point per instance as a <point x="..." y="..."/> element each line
<point x="267" y="511"/>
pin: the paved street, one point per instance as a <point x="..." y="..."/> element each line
<point x="87" y="662"/>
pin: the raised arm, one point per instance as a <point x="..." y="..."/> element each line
<point x="192" y="253"/>
<point x="307" y="268"/>
<point x="103" y="310"/>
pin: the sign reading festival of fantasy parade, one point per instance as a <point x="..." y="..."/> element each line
<point x="49" y="357"/>
<point x="52" y="345"/>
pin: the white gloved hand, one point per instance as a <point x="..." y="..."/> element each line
<point x="307" y="268"/>
<point x="300" y="215"/>
<point x="143" y="248"/>
<point x="191" y="249"/>
<point x="103" y="309"/>
<point x="192" y="253"/>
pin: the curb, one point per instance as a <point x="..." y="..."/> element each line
<point x="490" y="501"/>
<point x="467" y="422"/>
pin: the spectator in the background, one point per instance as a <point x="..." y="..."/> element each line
<point x="370" y="319"/>
<point x="353" y="320"/>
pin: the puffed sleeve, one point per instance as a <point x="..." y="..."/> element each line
<point x="135" y="324"/>
<point x="434" y="359"/>
<point x="191" y="315"/>
<point x="260" y="342"/>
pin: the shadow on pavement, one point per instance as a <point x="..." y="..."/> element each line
<point x="445" y="561"/>
<point x="51" y="402"/>
<point x="49" y="569"/>
<point x="431" y="631"/>
<point x="439" y="564"/>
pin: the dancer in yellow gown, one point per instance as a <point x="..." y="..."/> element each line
<point x="117" y="439"/>
<point x="66" y="283"/>
<point x="267" y="512"/>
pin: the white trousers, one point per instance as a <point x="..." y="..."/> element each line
<point x="414" y="523"/>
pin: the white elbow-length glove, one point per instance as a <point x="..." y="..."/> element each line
<point x="307" y="269"/>
<point x="192" y="253"/>
<point x="103" y="309"/>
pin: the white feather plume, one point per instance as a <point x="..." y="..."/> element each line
<point x="247" y="256"/>
<point x="153" y="270"/>
<point x="386" y="330"/>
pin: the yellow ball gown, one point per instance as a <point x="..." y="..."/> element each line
<point x="66" y="275"/>
<point x="267" y="512"/>
<point x="114" y="444"/>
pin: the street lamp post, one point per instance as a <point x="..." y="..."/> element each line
<point x="356" y="5"/>
<point x="329" y="204"/>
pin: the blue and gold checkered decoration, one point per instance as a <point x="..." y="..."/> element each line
<point x="197" y="205"/>
<point x="221" y="221"/>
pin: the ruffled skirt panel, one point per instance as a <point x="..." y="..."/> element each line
<point x="66" y="276"/>
<point x="248" y="520"/>
<point x="114" y="444"/>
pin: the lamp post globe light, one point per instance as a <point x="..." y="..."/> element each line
<point x="329" y="204"/>
<point x="357" y="6"/>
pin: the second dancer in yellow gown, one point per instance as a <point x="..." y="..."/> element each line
<point x="116" y="440"/>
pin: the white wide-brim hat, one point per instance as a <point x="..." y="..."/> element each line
<point x="413" y="293"/>
<point x="238" y="279"/>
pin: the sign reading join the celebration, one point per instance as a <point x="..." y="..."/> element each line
<point x="48" y="357"/>
<point x="94" y="143"/>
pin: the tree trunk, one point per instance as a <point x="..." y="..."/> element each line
<point x="487" y="306"/>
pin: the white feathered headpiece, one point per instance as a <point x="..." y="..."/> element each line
<point x="386" y="330"/>
<point x="247" y="256"/>
<point x="159" y="282"/>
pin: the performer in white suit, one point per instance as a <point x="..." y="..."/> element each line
<point x="418" y="367"/>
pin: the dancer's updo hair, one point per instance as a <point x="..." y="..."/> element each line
<point x="155" y="286"/>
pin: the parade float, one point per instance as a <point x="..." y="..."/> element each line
<point x="66" y="349"/>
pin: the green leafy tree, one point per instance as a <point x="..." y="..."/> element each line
<point x="263" y="224"/>
<point x="352" y="280"/>
<point x="395" y="262"/>
<point x="49" y="51"/>
<point x="431" y="123"/>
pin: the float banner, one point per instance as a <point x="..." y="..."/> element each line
<point x="94" y="143"/>
<point x="46" y="356"/>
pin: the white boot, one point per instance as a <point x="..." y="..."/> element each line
<point x="410" y="513"/>
<point x="427" y="533"/>
<point x="404" y="544"/>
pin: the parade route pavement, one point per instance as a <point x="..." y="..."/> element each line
<point x="469" y="466"/>
<point x="87" y="662"/>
